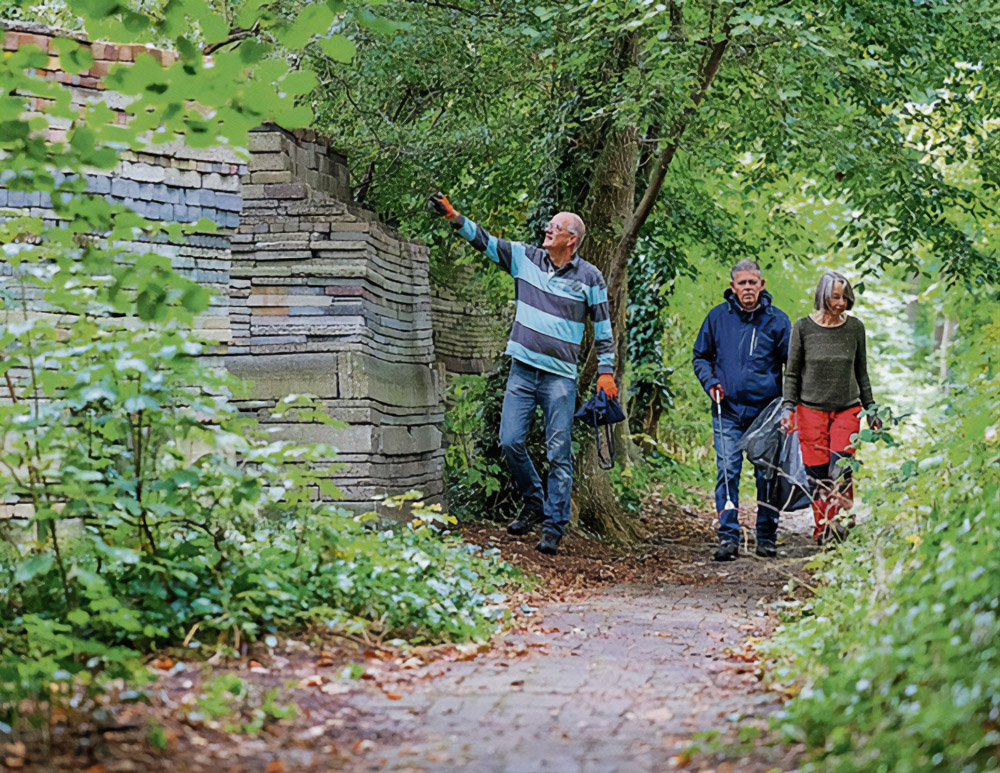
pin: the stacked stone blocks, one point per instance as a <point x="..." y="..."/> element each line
<point x="312" y="294"/>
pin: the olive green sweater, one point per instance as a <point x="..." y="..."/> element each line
<point x="827" y="366"/>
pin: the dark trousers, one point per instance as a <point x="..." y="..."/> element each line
<point x="731" y="426"/>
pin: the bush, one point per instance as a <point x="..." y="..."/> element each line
<point x="151" y="512"/>
<point x="158" y="514"/>
<point x="478" y="483"/>
<point x="897" y="654"/>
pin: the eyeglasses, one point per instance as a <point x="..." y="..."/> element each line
<point x="554" y="227"/>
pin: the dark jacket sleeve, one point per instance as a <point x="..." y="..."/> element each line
<point x="793" y="370"/>
<point x="861" y="369"/>
<point x="498" y="250"/>
<point x="786" y="332"/>
<point x="704" y="355"/>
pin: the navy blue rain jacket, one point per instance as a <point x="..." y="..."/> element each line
<point x="745" y="351"/>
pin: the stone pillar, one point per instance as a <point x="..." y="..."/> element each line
<point x="326" y="300"/>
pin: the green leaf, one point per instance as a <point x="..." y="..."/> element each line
<point x="313" y="20"/>
<point x="33" y="567"/>
<point x="338" y="48"/>
<point x="78" y="616"/>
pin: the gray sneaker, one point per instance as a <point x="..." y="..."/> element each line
<point x="727" y="551"/>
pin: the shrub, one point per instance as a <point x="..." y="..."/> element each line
<point x="897" y="654"/>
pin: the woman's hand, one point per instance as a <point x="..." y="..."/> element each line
<point x="788" y="420"/>
<point x="875" y="423"/>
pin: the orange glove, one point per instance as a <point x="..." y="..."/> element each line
<point x="442" y="206"/>
<point x="606" y="383"/>
<point x="716" y="393"/>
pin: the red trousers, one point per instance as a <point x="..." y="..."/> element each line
<point x="825" y="437"/>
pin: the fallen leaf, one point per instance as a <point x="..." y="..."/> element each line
<point x="315" y="680"/>
<point x="393" y="696"/>
<point x="14" y="754"/>
<point x="163" y="663"/>
<point x="274" y="766"/>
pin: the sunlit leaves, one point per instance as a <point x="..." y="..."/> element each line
<point x="338" y="48"/>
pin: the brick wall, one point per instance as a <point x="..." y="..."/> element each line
<point x="313" y="294"/>
<point x="469" y="334"/>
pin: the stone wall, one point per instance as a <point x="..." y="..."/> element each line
<point x="469" y="335"/>
<point x="327" y="300"/>
<point x="313" y="294"/>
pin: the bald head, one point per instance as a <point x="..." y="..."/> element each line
<point x="575" y="225"/>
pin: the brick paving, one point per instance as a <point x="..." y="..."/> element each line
<point x="627" y="677"/>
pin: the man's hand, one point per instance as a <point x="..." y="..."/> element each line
<point x="716" y="393"/>
<point x="606" y="383"/>
<point x="788" y="420"/>
<point x="875" y="423"/>
<point x="439" y="202"/>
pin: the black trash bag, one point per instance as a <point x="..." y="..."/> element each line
<point x="793" y="492"/>
<point x="762" y="442"/>
<point x="602" y="411"/>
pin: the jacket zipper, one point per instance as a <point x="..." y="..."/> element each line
<point x="753" y="340"/>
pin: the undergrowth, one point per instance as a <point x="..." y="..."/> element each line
<point x="896" y="657"/>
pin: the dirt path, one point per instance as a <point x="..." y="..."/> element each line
<point x="619" y="681"/>
<point x="613" y="664"/>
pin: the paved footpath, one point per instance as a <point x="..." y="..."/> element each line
<point x="619" y="682"/>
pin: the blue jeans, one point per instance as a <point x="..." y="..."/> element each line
<point x="527" y="387"/>
<point x="732" y="425"/>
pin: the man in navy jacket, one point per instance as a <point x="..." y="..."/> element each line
<point x="738" y="357"/>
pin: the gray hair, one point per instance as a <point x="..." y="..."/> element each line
<point x="743" y="265"/>
<point x="577" y="228"/>
<point x="825" y="289"/>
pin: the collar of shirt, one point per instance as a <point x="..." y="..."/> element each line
<point x="572" y="263"/>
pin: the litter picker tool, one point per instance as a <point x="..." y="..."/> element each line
<point x="725" y="465"/>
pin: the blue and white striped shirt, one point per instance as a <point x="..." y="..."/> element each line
<point x="552" y="304"/>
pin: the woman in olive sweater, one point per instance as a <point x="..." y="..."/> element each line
<point x="826" y="386"/>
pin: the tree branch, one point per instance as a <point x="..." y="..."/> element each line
<point x="234" y="36"/>
<point x="706" y="74"/>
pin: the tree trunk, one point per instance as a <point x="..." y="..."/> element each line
<point x="609" y="202"/>
<point x="613" y="221"/>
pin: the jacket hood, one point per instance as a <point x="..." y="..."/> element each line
<point x="763" y="302"/>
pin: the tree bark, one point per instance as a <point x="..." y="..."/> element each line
<point x="613" y="223"/>
<point x="605" y="206"/>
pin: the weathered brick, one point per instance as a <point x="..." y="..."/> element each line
<point x="289" y="191"/>
<point x="269" y="178"/>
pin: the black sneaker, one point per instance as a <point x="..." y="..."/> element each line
<point x="548" y="544"/>
<point x="767" y="549"/>
<point x="530" y="517"/>
<point x="728" y="551"/>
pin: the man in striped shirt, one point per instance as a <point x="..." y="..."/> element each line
<point x="556" y="292"/>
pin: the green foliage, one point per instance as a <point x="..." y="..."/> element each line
<point x="824" y="137"/>
<point x="655" y="472"/>
<point x="227" y="702"/>
<point x="465" y="467"/>
<point x="148" y="511"/>
<point x="479" y="485"/>
<point x="896" y="654"/>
